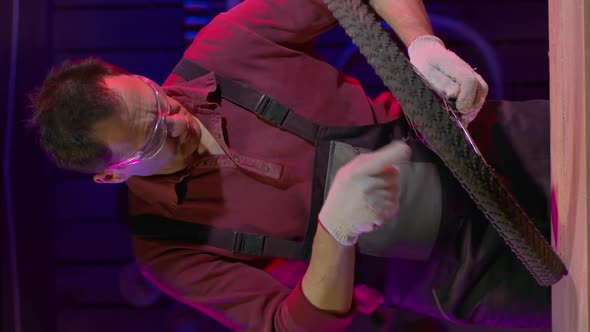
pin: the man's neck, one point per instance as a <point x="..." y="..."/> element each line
<point x="196" y="144"/>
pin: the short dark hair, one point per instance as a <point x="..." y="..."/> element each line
<point x="70" y="102"/>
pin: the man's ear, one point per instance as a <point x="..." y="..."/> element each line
<point x="110" y="176"/>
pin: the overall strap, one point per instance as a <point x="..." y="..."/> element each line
<point x="162" y="228"/>
<point x="270" y="111"/>
<point x="265" y="107"/>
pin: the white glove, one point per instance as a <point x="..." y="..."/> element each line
<point x="449" y="75"/>
<point x="364" y="193"/>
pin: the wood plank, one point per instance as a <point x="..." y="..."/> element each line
<point x="93" y="242"/>
<point x="120" y="29"/>
<point x="570" y="106"/>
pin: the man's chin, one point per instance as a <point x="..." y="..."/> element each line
<point x="188" y="148"/>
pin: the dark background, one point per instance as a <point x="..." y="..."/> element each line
<point x="67" y="236"/>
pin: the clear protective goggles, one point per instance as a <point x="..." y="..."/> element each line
<point x="157" y="138"/>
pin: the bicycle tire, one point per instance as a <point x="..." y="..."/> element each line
<point x="428" y="112"/>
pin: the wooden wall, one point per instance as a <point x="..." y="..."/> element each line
<point x="570" y="107"/>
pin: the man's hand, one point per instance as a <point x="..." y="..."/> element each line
<point x="365" y="192"/>
<point x="449" y="75"/>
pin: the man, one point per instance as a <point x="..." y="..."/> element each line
<point x="186" y="155"/>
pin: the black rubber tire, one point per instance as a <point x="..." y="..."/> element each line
<point x="428" y="112"/>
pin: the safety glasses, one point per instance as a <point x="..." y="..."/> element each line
<point x="159" y="133"/>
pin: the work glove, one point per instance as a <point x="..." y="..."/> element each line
<point x="449" y="75"/>
<point x="365" y="192"/>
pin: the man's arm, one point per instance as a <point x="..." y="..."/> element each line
<point x="239" y="296"/>
<point x="365" y="192"/>
<point x="328" y="282"/>
<point x="444" y="70"/>
<point x="408" y="18"/>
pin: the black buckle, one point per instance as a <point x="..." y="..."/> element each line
<point x="248" y="244"/>
<point x="271" y="110"/>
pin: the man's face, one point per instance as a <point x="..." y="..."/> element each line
<point x="142" y="145"/>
